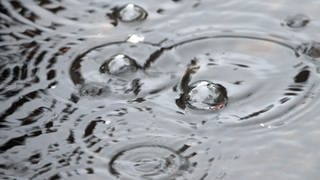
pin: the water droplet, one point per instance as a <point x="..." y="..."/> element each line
<point x="297" y="21"/>
<point x="205" y="95"/>
<point x="131" y="13"/>
<point x="119" y="64"/>
<point x="147" y="161"/>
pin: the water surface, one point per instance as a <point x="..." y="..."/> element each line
<point x="177" y="90"/>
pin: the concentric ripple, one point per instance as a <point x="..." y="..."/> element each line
<point x="265" y="79"/>
<point x="136" y="145"/>
<point x="147" y="161"/>
<point x="120" y="70"/>
<point x="56" y="16"/>
<point x="175" y="90"/>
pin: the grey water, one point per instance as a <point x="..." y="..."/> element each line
<point x="159" y="90"/>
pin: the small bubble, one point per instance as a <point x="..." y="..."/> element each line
<point x="297" y="21"/>
<point x="205" y="95"/>
<point x="131" y="13"/>
<point x="119" y="64"/>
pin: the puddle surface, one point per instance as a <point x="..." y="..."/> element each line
<point x="177" y="90"/>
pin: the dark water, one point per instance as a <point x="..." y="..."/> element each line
<point x="133" y="90"/>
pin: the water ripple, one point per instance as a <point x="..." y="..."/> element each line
<point x="117" y="70"/>
<point x="248" y="67"/>
<point x="194" y="89"/>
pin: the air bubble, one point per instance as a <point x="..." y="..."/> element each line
<point x="205" y="95"/>
<point x="131" y="13"/>
<point x="119" y="64"/>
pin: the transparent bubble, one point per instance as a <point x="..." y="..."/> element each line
<point x="119" y="64"/>
<point x="205" y="95"/>
<point x="131" y="13"/>
<point x="314" y="50"/>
